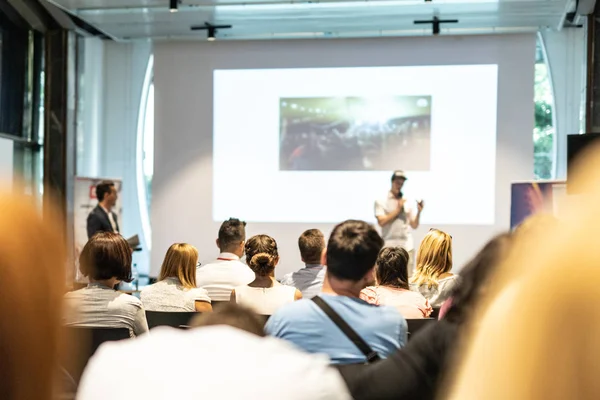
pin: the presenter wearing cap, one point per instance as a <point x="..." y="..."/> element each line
<point x="396" y="217"/>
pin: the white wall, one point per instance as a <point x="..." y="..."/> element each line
<point x="6" y="163"/>
<point x="107" y="141"/>
<point x="182" y="186"/>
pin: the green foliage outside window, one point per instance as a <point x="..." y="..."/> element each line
<point x="543" y="132"/>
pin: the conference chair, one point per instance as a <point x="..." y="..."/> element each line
<point x="264" y="318"/>
<point x="414" y="325"/>
<point x="218" y="304"/>
<point x="180" y="319"/>
<point x="80" y="344"/>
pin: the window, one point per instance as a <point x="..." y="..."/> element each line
<point x="145" y="151"/>
<point x="544" y="149"/>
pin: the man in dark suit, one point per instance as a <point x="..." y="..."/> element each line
<point x="102" y="218"/>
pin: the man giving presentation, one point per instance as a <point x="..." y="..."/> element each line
<point x="102" y="218"/>
<point x="396" y="217"/>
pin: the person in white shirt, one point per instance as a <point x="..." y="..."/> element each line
<point x="397" y="218"/>
<point x="309" y="280"/>
<point x="227" y="271"/>
<point x="264" y="295"/>
<point x="176" y="287"/>
<point x="235" y="364"/>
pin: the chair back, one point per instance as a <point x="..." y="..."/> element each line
<point x="80" y="343"/>
<point x="216" y="305"/>
<point x="414" y="325"/>
<point x="264" y="318"/>
<point x="176" y="319"/>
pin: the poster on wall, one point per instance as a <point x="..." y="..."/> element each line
<point x="85" y="201"/>
<point x="528" y="198"/>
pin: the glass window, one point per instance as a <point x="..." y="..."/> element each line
<point x="145" y="151"/>
<point x="544" y="150"/>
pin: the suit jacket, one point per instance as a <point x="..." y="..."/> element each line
<point x="97" y="221"/>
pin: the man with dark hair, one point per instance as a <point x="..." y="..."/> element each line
<point x="309" y="280"/>
<point x="397" y="218"/>
<point x="102" y="218"/>
<point x="350" y="259"/>
<point x="227" y="271"/>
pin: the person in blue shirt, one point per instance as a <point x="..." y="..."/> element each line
<point x="350" y="259"/>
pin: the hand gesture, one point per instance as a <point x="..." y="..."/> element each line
<point x="401" y="203"/>
<point x="420" y="205"/>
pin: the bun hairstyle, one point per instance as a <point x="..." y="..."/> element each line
<point x="262" y="255"/>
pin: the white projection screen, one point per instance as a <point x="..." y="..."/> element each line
<point x="240" y="127"/>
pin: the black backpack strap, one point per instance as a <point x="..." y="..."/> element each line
<point x="371" y="355"/>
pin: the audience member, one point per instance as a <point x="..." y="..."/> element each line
<point x="309" y="280"/>
<point x="106" y="261"/>
<point x="432" y="277"/>
<point x="224" y="363"/>
<point x="227" y="271"/>
<point x="416" y="371"/>
<point x="176" y="287"/>
<point x="233" y="315"/>
<point x="392" y="285"/>
<point x="33" y="257"/>
<point x="264" y="295"/>
<point x="350" y="258"/>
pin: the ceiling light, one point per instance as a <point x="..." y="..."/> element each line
<point x="211" y="30"/>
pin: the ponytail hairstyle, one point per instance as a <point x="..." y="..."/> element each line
<point x="261" y="254"/>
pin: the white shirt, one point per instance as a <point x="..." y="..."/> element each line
<point x="100" y="306"/>
<point x="398" y="232"/>
<point x="220" y="277"/>
<point x="170" y="295"/>
<point x="233" y="365"/>
<point x="437" y="295"/>
<point x="264" y="301"/>
<point x="111" y="219"/>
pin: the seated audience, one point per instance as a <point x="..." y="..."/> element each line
<point x="309" y="280"/>
<point x="350" y="258"/>
<point x="392" y="285"/>
<point x="264" y="295"/>
<point x="417" y="371"/>
<point x="432" y="277"/>
<point x="227" y="271"/>
<point x="233" y="365"/>
<point x="33" y="267"/>
<point x="176" y="287"/>
<point x="106" y="261"/>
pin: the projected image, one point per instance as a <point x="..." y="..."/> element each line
<point x="355" y="133"/>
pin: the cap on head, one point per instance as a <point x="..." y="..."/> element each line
<point x="399" y="174"/>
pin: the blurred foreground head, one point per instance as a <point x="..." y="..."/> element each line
<point x="537" y="334"/>
<point x="234" y="315"/>
<point x="32" y="261"/>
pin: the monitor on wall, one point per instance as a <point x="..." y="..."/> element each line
<point x="576" y="146"/>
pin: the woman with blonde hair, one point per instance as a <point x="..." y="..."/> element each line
<point x="432" y="277"/>
<point x="33" y="262"/>
<point x="176" y="287"/>
<point x="264" y="295"/>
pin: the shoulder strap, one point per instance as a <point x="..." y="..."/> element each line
<point x="371" y="355"/>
